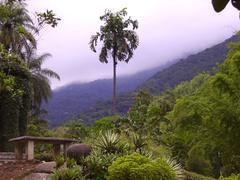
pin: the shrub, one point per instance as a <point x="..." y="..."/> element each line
<point x="71" y="163"/>
<point x="232" y="177"/>
<point x="48" y="157"/>
<point x="104" y="124"/>
<point x="68" y="174"/>
<point x="78" y="152"/>
<point x="195" y="176"/>
<point x="96" y="165"/>
<point x="196" y="162"/>
<point x="139" y="142"/>
<point x="139" y="167"/>
<point x="59" y="161"/>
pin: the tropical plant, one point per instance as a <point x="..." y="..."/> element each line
<point x="138" y="167"/>
<point x="71" y="163"/>
<point x="76" y="129"/>
<point x="139" y="142"/>
<point x="104" y="124"/>
<point x="16" y="27"/>
<point x="96" y="165"/>
<point x="194" y="176"/>
<point x="74" y="173"/>
<point x="109" y="142"/>
<point x="219" y="5"/>
<point x="41" y="88"/>
<point x="59" y="161"/>
<point x="118" y="41"/>
<point x="232" y="177"/>
<point x="19" y="60"/>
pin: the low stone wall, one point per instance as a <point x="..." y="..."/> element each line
<point x="8" y="156"/>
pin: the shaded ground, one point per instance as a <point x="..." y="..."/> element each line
<point x="16" y="170"/>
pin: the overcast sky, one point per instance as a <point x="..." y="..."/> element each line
<point x="167" y="30"/>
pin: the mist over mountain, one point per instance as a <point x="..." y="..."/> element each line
<point x="91" y="101"/>
<point x="68" y="101"/>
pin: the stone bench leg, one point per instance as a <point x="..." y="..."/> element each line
<point x="65" y="146"/>
<point x="56" y="150"/>
<point x="29" y="150"/>
<point x="19" y="151"/>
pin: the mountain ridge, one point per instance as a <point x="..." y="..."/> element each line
<point x="167" y="77"/>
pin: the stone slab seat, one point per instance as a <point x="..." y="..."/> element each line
<point x="26" y="143"/>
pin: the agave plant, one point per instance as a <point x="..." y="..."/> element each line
<point x="177" y="168"/>
<point x="109" y="142"/>
<point x="139" y="142"/>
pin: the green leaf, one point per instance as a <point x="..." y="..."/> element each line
<point x="219" y="5"/>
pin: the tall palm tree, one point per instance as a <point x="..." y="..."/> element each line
<point x="41" y="89"/>
<point x="16" y="27"/>
<point x="117" y="39"/>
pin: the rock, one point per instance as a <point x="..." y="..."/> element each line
<point x="76" y="151"/>
<point x="46" y="167"/>
<point x="38" y="176"/>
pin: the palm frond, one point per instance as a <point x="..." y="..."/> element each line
<point x="49" y="73"/>
<point x="93" y="42"/>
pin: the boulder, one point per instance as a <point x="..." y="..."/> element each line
<point x="46" y="167"/>
<point x="77" y="151"/>
<point x="38" y="176"/>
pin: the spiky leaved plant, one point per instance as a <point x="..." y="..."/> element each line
<point x="139" y="142"/>
<point x="176" y="167"/>
<point x="109" y="142"/>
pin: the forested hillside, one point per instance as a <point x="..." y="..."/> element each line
<point x="73" y="99"/>
<point x="186" y="69"/>
<point x="183" y="70"/>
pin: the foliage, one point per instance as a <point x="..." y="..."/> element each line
<point x="59" y="161"/>
<point x="195" y="176"/>
<point x="196" y="162"/>
<point x="139" y="143"/>
<point x="219" y="5"/>
<point x="104" y="124"/>
<point x="44" y="156"/>
<point x="136" y="119"/>
<point x="136" y="166"/>
<point x="75" y="129"/>
<point x="109" y="142"/>
<point x="232" y="177"/>
<point x="47" y="17"/>
<point x="96" y="105"/>
<point x="68" y="174"/>
<point x="209" y="119"/>
<point x="24" y="83"/>
<point x="71" y="163"/>
<point x="96" y="165"/>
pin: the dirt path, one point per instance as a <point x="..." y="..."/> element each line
<point x="15" y="170"/>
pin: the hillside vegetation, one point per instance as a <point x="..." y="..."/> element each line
<point x="167" y="78"/>
<point x="69" y="101"/>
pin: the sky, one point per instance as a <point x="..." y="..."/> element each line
<point x="168" y="30"/>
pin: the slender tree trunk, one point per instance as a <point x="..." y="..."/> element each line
<point x="114" y="86"/>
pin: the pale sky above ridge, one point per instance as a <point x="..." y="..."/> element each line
<point x="167" y="30"/>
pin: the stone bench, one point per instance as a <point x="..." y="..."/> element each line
<point x="25" y="144"/>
